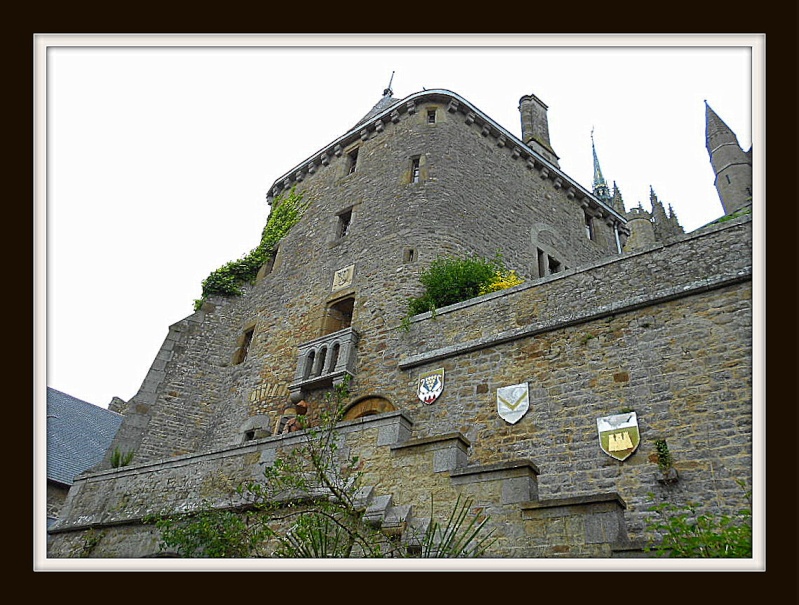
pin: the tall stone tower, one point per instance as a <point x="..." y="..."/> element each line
<point x="731" y="164"/>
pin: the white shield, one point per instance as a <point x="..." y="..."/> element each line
<point x="430" y="385"/>
<point x="513" y="402"/>
<point x="618" y="435"/>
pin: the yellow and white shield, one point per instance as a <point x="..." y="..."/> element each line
<point x="618" y="435"/>
<point x="513" y="402"/>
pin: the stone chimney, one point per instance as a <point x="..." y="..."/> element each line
<point x="535" y="127"/>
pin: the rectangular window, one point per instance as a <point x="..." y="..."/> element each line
<point x="353" y="159"/>
<point x="338" y="316"/>
<point x="415" y="170"/>
<point x="431" y="116"/>
<point x="344" y="220"/>
<point x="589" y="226"/>
<point x="244" y="346"/>
<point x="542" y="263"/>
<point x="547" y="265"/>
<point x="409" y="255"/>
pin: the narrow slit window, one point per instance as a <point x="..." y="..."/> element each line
<point x="353" y="159"/>
<point x="415" y="170"/>
<point x="431" y="116"/>
<point x="244" y="347"/>
<point x="409" y="255"/>
<point x="589" y="226"/>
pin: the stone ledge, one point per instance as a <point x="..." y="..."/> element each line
<point x="611" y="498"/>
<point x="621" y="306"/>
<point x="449" y="450"/>
<point x="505" y="468"/>
<point x="519" y="479"/>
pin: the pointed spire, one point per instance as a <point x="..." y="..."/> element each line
<point x="387" y="92"/>
<point x="600" y="187"/>
<point x="716" y="127"/>
<point x="732" y="166"/>
<point x="675" y="223"/>
<point x="618" y="201"/>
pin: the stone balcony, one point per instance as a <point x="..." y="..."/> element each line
<point x="324" y="362"/>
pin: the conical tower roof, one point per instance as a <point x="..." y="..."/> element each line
<point x="715" y="127"/>
<point x="384" y="103"/>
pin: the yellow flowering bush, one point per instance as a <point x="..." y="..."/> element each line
<point x="500" y="281"/>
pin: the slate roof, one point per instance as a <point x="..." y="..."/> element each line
<point x="78" y="435"/>
<point x="383" y="104"/>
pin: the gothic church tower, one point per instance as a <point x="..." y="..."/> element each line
<point x="731" y="164"/>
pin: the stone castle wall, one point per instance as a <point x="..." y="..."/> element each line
<point x="475" y="196"/>
<point x="665" y="331"/>
<point x="589" y="343"/>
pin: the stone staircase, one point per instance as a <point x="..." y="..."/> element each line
<point x="397" y="522"/>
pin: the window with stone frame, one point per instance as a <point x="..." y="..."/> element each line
<point x="338" y="315"/>
<point x="352" y="158"/>
<point x="245" y="340"/>
<point x="343" y="223"/>
<point x="589" y="226"/>
<point x="547" y="264"/>
<point x="416" y="170"/>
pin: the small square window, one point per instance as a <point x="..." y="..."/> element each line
<point x="409" y="255"/>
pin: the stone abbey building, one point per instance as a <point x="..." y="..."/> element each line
<point x="549" y="401"/>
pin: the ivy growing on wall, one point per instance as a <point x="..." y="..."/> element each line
<point x="287" y="210"/>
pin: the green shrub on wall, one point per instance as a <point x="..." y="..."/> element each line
<point x="451" y="280"/>
<point x="685" y="532"/>
<point x="287" y="210"/>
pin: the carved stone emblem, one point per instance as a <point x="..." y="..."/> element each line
<point x="618" y="435"/>
<point x="431" y="384"/>
<point x="513" y="402"/>
<point x="343" y="277"/>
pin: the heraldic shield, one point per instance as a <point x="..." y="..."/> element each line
<point x="513" y="402"/>
<point x="618" y="435"/>
<point x="431" y="384"/>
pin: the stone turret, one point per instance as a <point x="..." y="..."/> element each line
<point x="535" y="127"/>
<point x="731" y="164"/>
<point x="650" y="228"/>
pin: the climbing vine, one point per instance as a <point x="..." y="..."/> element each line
<point x="287" y="210"/>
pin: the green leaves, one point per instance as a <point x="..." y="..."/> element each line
<point x="451" y="280"/>
<point x="310" y="503"/>
<point x="213" y="533"/>
<point x="119" y="458"/>
<point x="286" y="212"/>
<point x="686" y="532"/>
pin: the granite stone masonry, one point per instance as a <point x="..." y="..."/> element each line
<point x="662" y="329"/>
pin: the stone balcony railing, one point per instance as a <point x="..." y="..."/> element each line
<point x="324" y="361"/>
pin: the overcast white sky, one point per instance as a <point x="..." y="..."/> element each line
<point x="159" y="158"/>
